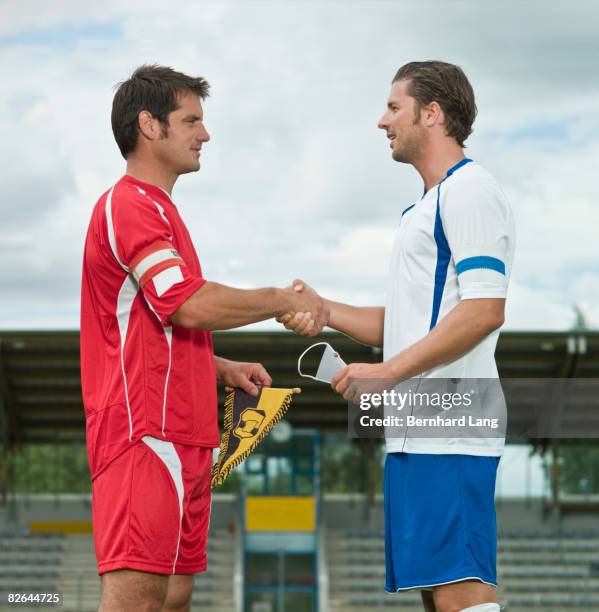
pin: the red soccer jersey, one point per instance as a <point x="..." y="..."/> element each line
<point x="141" y="375"/>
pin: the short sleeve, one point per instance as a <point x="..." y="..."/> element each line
<point x="142" y="239"/>
<point x="478" y="225"/>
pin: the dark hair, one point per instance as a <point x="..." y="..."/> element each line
<point x="447" y="85"/>
<point x="151" y="88"/>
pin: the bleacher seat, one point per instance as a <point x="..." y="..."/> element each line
<point x="537" y="570"/>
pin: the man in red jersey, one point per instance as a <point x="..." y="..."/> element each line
<point x="148" y="369"/>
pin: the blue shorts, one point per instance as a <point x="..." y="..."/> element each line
<point x="440" y="522"/>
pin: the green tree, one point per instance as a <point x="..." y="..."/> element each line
<point x="51" y="468"/>
<point x="579" y="468"/>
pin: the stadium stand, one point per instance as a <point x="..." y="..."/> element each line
<point x="30" y="563"/>
<point x="40" y="394"/>
<point x="537" y="571"/>
<point x="55" y="563"/>
<point x="546" y="561"/>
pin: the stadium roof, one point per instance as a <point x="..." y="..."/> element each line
<point x="40" y="392"/>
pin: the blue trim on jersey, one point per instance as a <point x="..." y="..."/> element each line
<point x="482" y="262"/>
<point x="443" y="257"/>
<point x="457" y="167"/>
<point x="443" y="251"/>
<point x="407" y="209"/>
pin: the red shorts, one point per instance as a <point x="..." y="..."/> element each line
<point x="151" y="509"/>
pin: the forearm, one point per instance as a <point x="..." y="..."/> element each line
<point x="470" y="322"/>
<point x="363" y="324"/>
<point x="215" y="307"/>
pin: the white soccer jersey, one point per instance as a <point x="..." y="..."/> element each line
<point x="456" y="243"/>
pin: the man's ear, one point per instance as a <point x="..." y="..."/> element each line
<point x="432" y="114"/>
<point x="148" y="125"/>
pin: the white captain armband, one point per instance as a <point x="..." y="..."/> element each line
<point x="153" y="261"/>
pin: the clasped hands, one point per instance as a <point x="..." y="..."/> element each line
<point x="308" y="313"/>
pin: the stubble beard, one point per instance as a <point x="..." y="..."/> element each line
<point x="401" y="155"/>
<point x="411" y="147"/>
<point x="178" y="167"/>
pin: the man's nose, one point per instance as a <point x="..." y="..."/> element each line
<point x="204" y="136"/>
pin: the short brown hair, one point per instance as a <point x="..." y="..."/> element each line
<point x="151" y="88"/>
<point x="447" y="85"/>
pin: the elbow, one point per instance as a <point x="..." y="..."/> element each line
<point x="181" y="319"/>
<point x="485" y="315"/>
<point x="198" y="311"/>
<point x="190" y="318"/>
<point x="493" y="321"/>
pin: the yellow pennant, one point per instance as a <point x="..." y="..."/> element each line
<point x="248" y="419"/>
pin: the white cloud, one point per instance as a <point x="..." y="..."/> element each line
<point x="297" y="180"/>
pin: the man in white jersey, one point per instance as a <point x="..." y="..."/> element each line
<point x="446" y="294"/>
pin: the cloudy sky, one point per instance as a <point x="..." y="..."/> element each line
<point x="297" y="180"/>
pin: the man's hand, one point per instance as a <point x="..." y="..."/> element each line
<point x="358" y="378"/>
<point x="310" y="320"/>
<point x="246" y="376"/>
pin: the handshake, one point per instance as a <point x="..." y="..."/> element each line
<point x="307" y="313"/>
